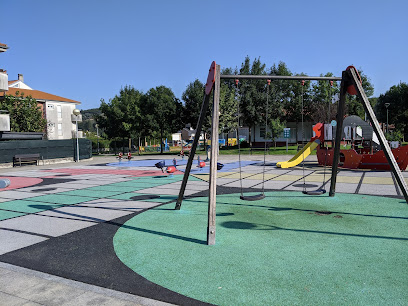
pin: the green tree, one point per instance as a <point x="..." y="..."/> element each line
<point x="228" y="106"/>
<point x="280" y="94"/>
<point x="252" y="94"/>
<point x="87" y="125"/>
<point x="322" y="108"/>
<point x="297" y="107"/>
<point x="276" y="126"/>
<point x="88" y="119"/>
<point x="121" y="116"/>
<point x="25" y="114"/>
<point x="160" y="111"/>
<point x="193" y="97"/>
<point x="397" y="97"/>
<point x="280" y="91"/>
<point x="90" y="113"/>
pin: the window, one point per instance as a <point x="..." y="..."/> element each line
<point x="59" y="129"/>
<point x="59" y="111"/>
<point x="262" y="132"/>
<point x="50" y="106"/>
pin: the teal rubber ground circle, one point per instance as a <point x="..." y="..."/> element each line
<point x="289" y="248"/>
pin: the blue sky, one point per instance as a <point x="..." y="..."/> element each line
<point x="87" y="50"/>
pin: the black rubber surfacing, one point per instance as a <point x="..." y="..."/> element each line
<point x="88" y="256"/>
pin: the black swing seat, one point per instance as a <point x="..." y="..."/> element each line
<point x="255" y="197"/>
<point x="314" y="192"/>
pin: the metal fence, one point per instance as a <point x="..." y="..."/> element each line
<point x="48" y="149"/>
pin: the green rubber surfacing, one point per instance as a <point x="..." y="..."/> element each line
<point x="285" y="249"/>
<point x="122" y="190"/>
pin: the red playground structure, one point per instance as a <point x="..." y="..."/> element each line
<point x="359" y="157"/>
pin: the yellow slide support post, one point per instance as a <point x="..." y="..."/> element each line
<point x="302" y="154"/>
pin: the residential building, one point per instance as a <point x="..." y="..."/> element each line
<point x="3" y="73"/>
<point x="57" y="110"/>
<point x="3" y="47"/>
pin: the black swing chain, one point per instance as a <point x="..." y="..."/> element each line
<point x="237" y="134"/>
<point x="303" y="144"/>
<point x="239" y="145"/>
<point x="266" y="130"/>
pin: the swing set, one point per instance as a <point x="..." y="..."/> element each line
<point x="350" y="83"/>
<point x="260" y="196"/>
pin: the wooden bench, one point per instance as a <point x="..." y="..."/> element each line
<point x="26" y="159"/>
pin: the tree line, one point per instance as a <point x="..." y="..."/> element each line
<point x="158" y="112"/>
<point x="397" y="97"/>
<point x="133" y="114"/>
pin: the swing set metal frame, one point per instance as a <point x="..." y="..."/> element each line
<point x="350" y="83"/>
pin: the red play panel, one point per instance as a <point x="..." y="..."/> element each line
<point x="137" y="173"/>
<point x="20" y="182"/>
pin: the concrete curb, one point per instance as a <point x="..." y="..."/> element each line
<point x="97" y="294"/>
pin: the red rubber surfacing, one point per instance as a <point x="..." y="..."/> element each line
<point x="137" y="173"/>
<point x="20" y="182"/>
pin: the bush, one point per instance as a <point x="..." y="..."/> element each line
<point x="103" y="144"/>
<point x="395" y="136"/>
<point x="244" y="144"/>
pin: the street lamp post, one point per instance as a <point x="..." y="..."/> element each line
<point x="97" y="138"/>
<point x="76" y="112"/>
<point x="386" y="106"/>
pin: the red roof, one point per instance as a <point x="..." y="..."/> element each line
<point x="36" y="94"/>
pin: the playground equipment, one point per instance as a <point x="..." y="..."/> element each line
<point x="311" y="145"/>
<point x="166" y="146"/>
<point x="171" y="169"/>
<point x="353" y="158"/>
<point x="4" y="183"/>
<point x="129" y="155"/>
<point x="349" y="80"/>
<point x="120" y="155"/>
<point x="200" y="163"/>
<point x="301" y="155"/>
<point x="365" y="152"/>
<point x="320" y="190"/>
<point x="261" y="195"/>
<point x="307" y="149"/>
<point x="161" y="165"/>
<point x="357" y="159"/>
<point x="362" y="158"/>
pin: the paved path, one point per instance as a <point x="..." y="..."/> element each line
<point x="20" y="286"/>
<point x="50" y="201"/>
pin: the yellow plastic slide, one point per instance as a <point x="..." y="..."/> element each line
<point x="298" y="158"/>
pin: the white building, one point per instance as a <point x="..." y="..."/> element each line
<point x="3" y="73"/>
<point x="57" y="110"/>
